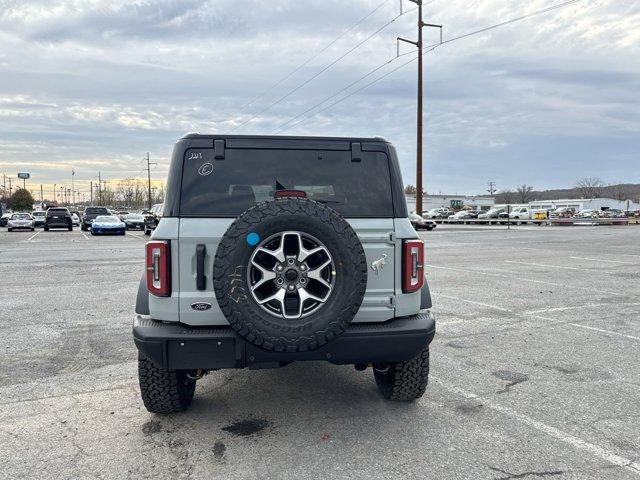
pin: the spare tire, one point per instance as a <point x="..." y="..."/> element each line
<point x="290" y="274"/>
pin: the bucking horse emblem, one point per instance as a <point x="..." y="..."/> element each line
<point x="379" y="264"/>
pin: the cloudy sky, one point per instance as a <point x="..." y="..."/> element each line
<point x="93" y="85"/>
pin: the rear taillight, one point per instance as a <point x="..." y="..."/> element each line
<point x="158" y="265"/>
<point x="412" y="265"/>
<point x="290" y="193"/>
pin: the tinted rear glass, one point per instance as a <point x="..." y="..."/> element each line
<point x="228" y="187"/>
<point x="95" y="210"/>
<point x="57" y="211"/>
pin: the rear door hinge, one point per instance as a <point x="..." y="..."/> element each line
<point x="392" y="301"/>
<point x="392" y="238"/>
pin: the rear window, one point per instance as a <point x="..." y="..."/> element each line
<point x="58" y="211"/>
<point x="96" y="211"/>
<point x="226" y="188"/>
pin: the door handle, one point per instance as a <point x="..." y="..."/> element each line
<point x="201" y="280"/>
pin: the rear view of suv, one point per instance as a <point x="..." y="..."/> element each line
<point x="272" y="250"/>
<point x="58" y="217"/>
<point x="90" y="214"/>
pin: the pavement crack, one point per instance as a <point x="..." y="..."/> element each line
<point x="509" y="475"/>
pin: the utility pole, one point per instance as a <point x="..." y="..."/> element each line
<point x="54" y="193"/>
<point x="99" y="189"/>
<point x="73" y="191"/>
<point x="419" y="44"/>
<point x="492" y="188"/>
<point x="149" y="179"/>
<point x="91" y="192"/>
<point x="10" y="187"/>
<point x="41" y="194"/>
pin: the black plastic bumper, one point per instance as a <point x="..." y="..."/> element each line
<point x="176" y="346"/>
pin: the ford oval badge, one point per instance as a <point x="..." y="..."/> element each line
<point x="201" y="306"/>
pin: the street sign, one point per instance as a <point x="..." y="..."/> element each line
<point x="24" y="176"/>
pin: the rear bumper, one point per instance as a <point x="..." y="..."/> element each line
<point x="176" y="346"/>
<point x="107" y="231"/>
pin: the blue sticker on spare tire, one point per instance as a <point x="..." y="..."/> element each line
<point x="253" y="238"/>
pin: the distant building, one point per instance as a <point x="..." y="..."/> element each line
<point x="586" y="204"/>
<point x="454" y="202"/>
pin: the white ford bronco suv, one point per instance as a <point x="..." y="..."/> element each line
<point x="273" y="250"/>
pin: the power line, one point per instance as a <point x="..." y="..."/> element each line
<point x="371" y="72"/>
<point x="324" y="69"/>
<point x="313" y="57"/>
<point x="429" y="49"/>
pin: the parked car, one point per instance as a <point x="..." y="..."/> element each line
<point x="151" y="220"/>
<point x="5" y="218"/>
<point x="20" y="221"/>
<point x="90" y="213"/>
<point x="520" y="213"/>
<point x="133" y="221"/>
<point x="58" y="217"/>
<point x="462" y="215"/>
<point x="418" y="222"/>
<point x="107" y="225"/>
<point x="437" y="213"/>
<point x="75" y="220"/>
<point x="39" y="217"/>
<point x="238" y="277"/>
<point x="613" y="213"/>
<point x="589" y="213"/>
<point x="563" y="212"/>
<point x="493" y="213"/>
<point x="122" y="214"/>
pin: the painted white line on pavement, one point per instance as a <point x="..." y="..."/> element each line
<point x="575" y="307"/>
<point x="576" y="442"/>
<point x="515" y="276"/>
<point x="546" y="265"/>
<point x="607" y="332"/>
<point x="84" y="235"/>
<point x="34" y="235"/>
<point x="603" y="260"/>
<point x="495" y="307"/>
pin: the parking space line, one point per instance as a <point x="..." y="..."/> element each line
<point x="604" y="260"/>
<point x="607" y="332"/>
<point x="525" y="279"/>
<point x="33" y="236"/>
<point x="495" y="307"/>
<point x="576" y="442"/>
<point x="84" y="235"/>
<point x="557" y="266"/>
<point x="575" y="307"/>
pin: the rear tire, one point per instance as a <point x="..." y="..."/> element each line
<point x="404" y="381"/>
<point x="8" y="229"/>
<point x="46" y="229"/>
<point x="164" y="391"/>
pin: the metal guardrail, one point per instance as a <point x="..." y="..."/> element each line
<point x="548" y="221"/>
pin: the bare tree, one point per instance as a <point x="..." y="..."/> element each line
<point x="524" y="193"/>
<point x="410" y="190"/>
<point x="505" y="196"/>
<point x="590" y="187"/>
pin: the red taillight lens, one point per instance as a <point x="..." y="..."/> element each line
<point x="412" y="265"/>
<point x="157" y="263"/>
<point x="290" y="193"/>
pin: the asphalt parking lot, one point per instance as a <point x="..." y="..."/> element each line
<point x="535" y="372"/>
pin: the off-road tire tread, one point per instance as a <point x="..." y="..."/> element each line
<point x="253" y="217"/>
<point x="164" y="391"/>
<point x="405" y="381"/>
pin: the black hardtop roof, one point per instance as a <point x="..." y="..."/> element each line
<point x="284" y="137"/>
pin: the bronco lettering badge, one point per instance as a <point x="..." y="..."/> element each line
<point x="201" y="306"/>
